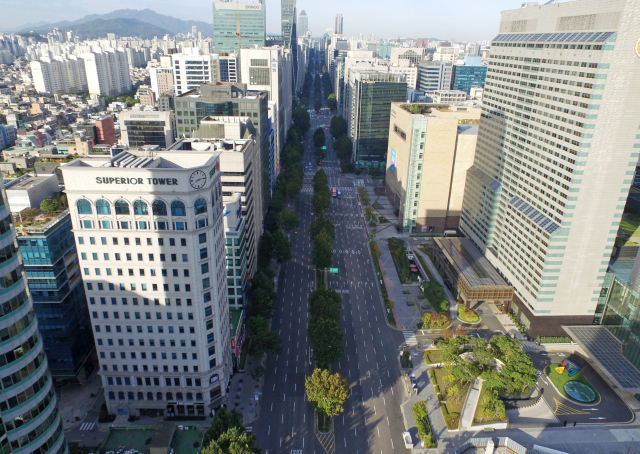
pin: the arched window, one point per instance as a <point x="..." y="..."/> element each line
<point x="149" y="396"/>
<point x="159" y="208"/>
<point x="112" y="395"/>
<point x="120" y="395"/>
<point x="178" y="208"/>
<point x="158" y="396"/>
<point x="130" y="395"/>
<point x="140" y="396"/>
<point x="122" y="207"/>
<point x="84" y="206"/>
<point x="179" y="396"/>
<point x="103" y="207"/>
<point x="200" y="206"/>
<point x="169" y="396"/>
<point x="189" y="397"/>
<point x="198" y="396"/>
<point x="140" y="207"/>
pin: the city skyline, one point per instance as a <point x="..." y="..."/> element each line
<point x="480" y="22"/>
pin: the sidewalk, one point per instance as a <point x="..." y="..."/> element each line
<point x="407" y="316"/>
<point x="76" y="400"/>
<point x="470" y="405"/>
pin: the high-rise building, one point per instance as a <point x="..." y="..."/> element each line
<point x="53" y="272"/>
<point x="192" y="68"/>
<point x="107" y="71"/>
<point x="229" y="68"/>
<point x="238" y="25"/>
<point x="303" y="24"/>
<point x="153" y="262"/>
<point x="146" y="95"/>
<point x="235" y="235"/>
<point x="59" y="75"/>
<point x="290" y="35"/>
<point x="368" y="98"/>
<point x="338" y="27"/>
<point x="466" y="77"/>
<point x="434" y="76"/>
<point x="554" y="164"/>
<point x="30" y="420"/>
<point x="431" y="147"/>
<point x="161" y="81"/>
<point x="139" y="128"/>
<point x="422" y="42"/>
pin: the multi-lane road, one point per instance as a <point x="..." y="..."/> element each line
<point x="372" y="421"/>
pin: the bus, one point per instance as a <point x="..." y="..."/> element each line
<point x="334" y="192"/>
<point x="339" y="193"/>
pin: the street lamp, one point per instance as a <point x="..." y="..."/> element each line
<point x="84" y="446"/>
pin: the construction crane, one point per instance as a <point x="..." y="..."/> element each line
<point x="238" y="33"/>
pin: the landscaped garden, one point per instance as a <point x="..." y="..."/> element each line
<point x="421" y="415"/>
<point x="467" y="315"/>
<point x="576" y="387"/>
<point x="490" y="408"/>
<point x="434" y="293"/>
<point x="434" y="321"/>
<point x="432" y="357"/>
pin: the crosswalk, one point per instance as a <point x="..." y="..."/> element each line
<point x="88" y="426"/>
<point x="410" y="338"/>
<point x="528" y="347"/>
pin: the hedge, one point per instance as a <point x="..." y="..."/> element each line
<point x="420" y="413"/>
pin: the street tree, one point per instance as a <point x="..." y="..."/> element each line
<point x="321" y="201"/>
<point x="233" y="441"/>
<point x="281" y="246"/>
<point x="288" y="219"/>
<point x="323" y="250"/>
<point x="327" y="391"/>
<point x="222" y="421"/>
<point x="321" y="223"/>
<point x="344" y="148"/>
<point x="326" y="337"/>
<point x="338" y="126"/>
<point x="325" y="302"/>
<point x="265" y="251"/>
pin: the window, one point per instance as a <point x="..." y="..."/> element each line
<point x="105" y="224"/>
<point x="204" y="268"/>
<point x="203" y="253"/>
<point x="185" y="258"/>
<point x="159" y="208"/>
<point x="87" y="224"/>
<point x="202" y="238"/>
<point x="103" y="207"/>
<point x="84" y="206"/>
<point x="200" y="206"/>
<point x="178" y="208"/>
<point x="140" y="208"/>
<point x="122" y="207"/>
<point x="183" y="242"/>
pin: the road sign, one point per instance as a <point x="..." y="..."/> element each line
<point x="334" y="270"/>
<point x="324" y="148"/>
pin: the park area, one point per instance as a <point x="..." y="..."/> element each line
<point x="143" y="438"/>
<point x="575" y="387"/>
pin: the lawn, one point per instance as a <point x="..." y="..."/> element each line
<point x="452" y="408"/>
<point x="559" y="381"/>
<point x="467" y="315"/>
<point x="432" y="356"/>
<point x="188" y="441"/>
<point x="132" y="439"/>
<point x="630" y="227"/>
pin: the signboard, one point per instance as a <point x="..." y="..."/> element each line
<point x="334" y="270"/>
<point x="324" y="148"/>
<point x="392" y="164"/>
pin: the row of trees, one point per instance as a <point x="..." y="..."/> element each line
<point x="319" y="141"/>
<point x="322" y="230"/>
<point x="342" y="144"/>
<point x="227" y="434"/>
<point x="274" y="244"/>
<point x="317" y="95"/>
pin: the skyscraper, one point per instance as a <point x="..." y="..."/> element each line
<point x="338" y="27"/>
<point x="290" y="35"/>
<point x="304" y="23"/>
<point x="29" y="403"/>
<point x="237" y="25"/>
<point x="557" y="149"/>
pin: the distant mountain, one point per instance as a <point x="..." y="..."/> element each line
<point x="148" y="16"/>
<point x="99" y="28"/>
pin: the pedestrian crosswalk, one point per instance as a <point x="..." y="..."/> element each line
<point x="88" y="426"/>
<point x="528" y="346"/>
<point x="410" y="338"/>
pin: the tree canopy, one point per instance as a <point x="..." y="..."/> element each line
<point x="326" y="337"/>
<point x="325" y="302"/>
<point x="327" y="391"/>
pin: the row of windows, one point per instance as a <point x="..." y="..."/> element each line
<point x="154" y="381"/>
<point x="141" y="225"/>
<point x="29" y="437"/>
<point x="154" y="355"/>
<point x="25" y="395"/>
<point x="13" y="304"/>
<point x="202" y="238"/>
<point x="145" y="301"/>
<point x="137" y="316"/>
<point x="159" y="329"/>
<point x="140" y="207"/>
<point x="158" y="396"/>
<point x="26" y="417"/>
<point x="145" y="368"/>
<point x="152" y="342"/>
<point x="17" y="327"/>
<point x="16" y="377"/>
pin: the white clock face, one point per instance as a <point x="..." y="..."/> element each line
<point x="198" y="179"/>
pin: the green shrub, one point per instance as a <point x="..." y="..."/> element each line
<point x="554" y="340"/>
<point x="405" y="359"/>
<point x="421" y="415"/>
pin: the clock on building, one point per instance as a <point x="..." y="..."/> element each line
<point x="198" y="179"/>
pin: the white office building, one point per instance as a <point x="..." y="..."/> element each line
<point x="434" y="76"/>
<point x="150" y="238"/>
<point x="557" y="151"/>
<point x="192" y="68"/>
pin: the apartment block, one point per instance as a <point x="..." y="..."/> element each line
<point x="139" y="128"/>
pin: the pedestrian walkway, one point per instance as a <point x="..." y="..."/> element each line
<point x="510" y="327"/>
<point x="410" y="338"/>
<point x="469" y="410"/>
<point x="76" y="400"/>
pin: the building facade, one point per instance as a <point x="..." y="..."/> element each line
<point x="338" y="30"/>
<point x="368" y="98"/>
<point x="467" y="77"/>
<point x="303" y="23"/>
<point x="151" y="230"/>
<point x="434" y="76"/>
<point x="53" y="273"/>
<point x="431" y="147"/>
<point x="192" y="68"/>
<point x="554" y="165"/>
<point x="107" y="71"/>
<point x="139" y="128"/>
<point x="238" y="25"/>
<point x="28" y="403"/>
<point x="290" y="38"/>
<point x="236" y="242"/>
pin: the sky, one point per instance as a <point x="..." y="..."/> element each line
<point x="460" y="20"/>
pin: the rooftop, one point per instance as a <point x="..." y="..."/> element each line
<point x="27" y="182"/>
<point x="469" y="261"/>
<point x="145" y="159"/>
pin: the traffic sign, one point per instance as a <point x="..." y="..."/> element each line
<point x="324" y="148"/>
<point x="334" y="270"/>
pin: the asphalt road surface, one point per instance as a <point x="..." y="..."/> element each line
<point x="372" y="421"/>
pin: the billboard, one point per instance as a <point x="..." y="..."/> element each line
<point x="392" y="164"/>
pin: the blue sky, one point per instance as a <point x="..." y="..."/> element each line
<point x="462" y="20"/>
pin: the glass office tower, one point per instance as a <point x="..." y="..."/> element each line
<point x="237" y="25"/>
<point x="467" y="77"/>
